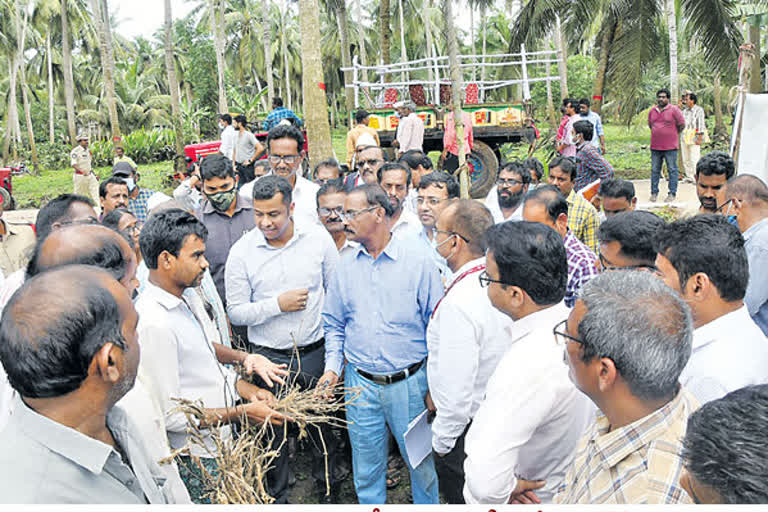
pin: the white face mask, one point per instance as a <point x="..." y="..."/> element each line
<point x="131" y="184"/>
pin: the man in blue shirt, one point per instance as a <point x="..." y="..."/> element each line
<point x="585" y="114"/>
<point x="375" y="317"/>
<point x="279" y="112"/>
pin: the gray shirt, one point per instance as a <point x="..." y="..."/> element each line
<point x="756" y="299"/>
<point x="245" y="146"/>
<point x="42" y="461"/>
<point x="223" y="232"/>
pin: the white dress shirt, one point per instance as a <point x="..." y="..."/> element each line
<point x="410" y="132"/>
<point x="257" y="274"/>
<point x="492" y="203"/>
<point x="410" y="201"/>
<point x="408" y="224"/>
<point x="532" y="417"/>
<point x="348" y="247"/>
<point x="178" y="359"/>
<point x="728" y="353"/>
<point x="228" y="139"/>
<point x="304" y="199"/>
<point x="466" y="338"/>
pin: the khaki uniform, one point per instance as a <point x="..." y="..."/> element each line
<point x="15" y="246"/>
<point x="85" y="182"/>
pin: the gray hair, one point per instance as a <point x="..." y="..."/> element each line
<point x="642" y="325"/>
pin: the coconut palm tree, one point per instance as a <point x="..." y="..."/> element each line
<point x="385" y="32"/>
<point x="456" y="84"/>
<point x="100" y="9"/>
<point x="173" y="83"/>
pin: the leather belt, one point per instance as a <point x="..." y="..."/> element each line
<point x="394" y="377"/>
<point x="289" y="351"/>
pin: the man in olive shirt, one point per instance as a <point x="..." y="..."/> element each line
<point x="16" y="242"/>
<point x="85" y="181"/>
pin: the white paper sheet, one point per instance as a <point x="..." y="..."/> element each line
<point x="418" y="439"/>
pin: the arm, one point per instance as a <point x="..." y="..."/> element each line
<point x="650" y="124"/>
<point x="334" y="325"/>
<point x="406" y="136"/>
<point x="330" y="260"/>
<point x="604" y="169"/>
<point x="239" y="306"/>
<point x="471" y="135"/>
<point x="680" y="120"/>
<point x="591" y="225"/>
<point x="350" y="148"/>
<point x="185" y="193"/>
<point x="430" y="289"/>
<point x="757" y="289"/>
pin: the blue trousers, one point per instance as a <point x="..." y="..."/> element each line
<point x="379" y="408"/>
<point x="671" y="157"/>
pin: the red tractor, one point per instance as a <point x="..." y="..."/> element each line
<point x="6" y="187"/>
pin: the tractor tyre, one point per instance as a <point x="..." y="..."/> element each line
<point x="8" y="202"/>
<point x="483" y="169"/>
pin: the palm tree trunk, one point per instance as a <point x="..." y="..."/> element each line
<point x="456" y="83"/>
<point x="284" y="44"/>
<point x="403" y="52"/>
<point x="173" y="85"/>
<point x="672" y="27"/>
<point x="385" y="33"/>
<point x="266" y="40"/>
<point x="550" y="104"/>
<point x="51" y="135"/>
<point x="602" y="66"/>
<point x="21" y="24"/>
<point x="428" y="40"/>
<point x="720" y="128"/>
<point x="483" y="20"/>
<point x="69" y="81"/>
<point x="101" y="18"/>
<point x="562" y="61"/>
<point x="361" y="40"/>
<point x="472" y="36"/>
<point x="13" y="108"/>
<point x="346" y="58"/>
<point x="217" y="27"/>
<point x="316" y="104"/>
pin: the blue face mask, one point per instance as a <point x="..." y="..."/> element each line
<point x="732" y="219"/>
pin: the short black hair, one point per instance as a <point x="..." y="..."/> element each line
<point x="692" y="96"/>
<point x="52" y="328"/>
<point x="441" y="179"/>
<point x="550" y="197"/>
<point x="534" y="167"/>
<point x="277" y="101"/>
<point x="57" y="210"/>
<point x="330" y="162"/>
<point x="519" y="168"/>
<point x="665" y="91"/>
<point x="394" y="166"/>
<point x="532" y="256"/>
<point x="360" y="116"/>
<point x="261" y="163"/>
<point x="414" y="158"/>
<point x="112" y="221"/>
<point x="471" y="219"/>
<point x="710" y="244"/>
<point x="216" y="166"/>
<point x="269" y="186"/>
<point x="330" y="187"/>
<point x="375" y="196"/>
<point x="285" y="131"/>
<point x="113" y="180"/>
<point x="725" y="446"/>
<point x="716" y="163"/>
<point x="166" y="231"/>
<point x="585" y="128"/>
<point x="241" y="119"/>
<point x="226" y="118"/>
<point x="585" y="101"/>
<point x="616" y="188"/>
<point x="565" y="164"/>
<point x="635" y="231"/>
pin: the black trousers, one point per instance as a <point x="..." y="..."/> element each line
<point x="451" y="163"/>
<point x="450" y="471"/>
<point x="312" y="368"/>
<point x="246" y="174"/>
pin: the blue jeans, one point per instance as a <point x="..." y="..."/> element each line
<point x="381" y="406"/>
<point x="671" y="157"/>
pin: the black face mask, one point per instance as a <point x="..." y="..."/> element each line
<point x="512" y="200"/>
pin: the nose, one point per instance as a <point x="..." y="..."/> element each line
<point x="203" y="263"/>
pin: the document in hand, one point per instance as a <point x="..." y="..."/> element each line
<point x="418" y="439"/>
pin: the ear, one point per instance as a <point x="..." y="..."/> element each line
<point x="166" y="260"/>
<point x="516" y="296"/>
<point x="525" y="188"/>
<point x="303" y="154"/>
<point x="562" y="223"/>
<point x="698" y="286"/>
<point x="606" y="373"/>
<point x="633" y="203"/>
<point x="138" y="177"/>
<point x="107" y="363"/>
<point x="291" y="209"/>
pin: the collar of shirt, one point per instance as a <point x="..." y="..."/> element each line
<point x="755" y="228"/>
<point x="241" y="203"/>
<point x="407" y="220"/>
<point x="721" y="328"/>
<point x="162" y="297"/>
<point x="260" y="241"/>
<point x="392" y="250"/>
<point x="616" y="445"/>
<point x="468" y="265"/>
<point x="545" y="318"/>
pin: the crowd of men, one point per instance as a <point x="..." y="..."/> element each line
<point x="563" y="354"/>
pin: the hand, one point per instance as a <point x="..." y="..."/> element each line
<point x="327" y="382"/>
<point x="264" y="368"/>
<point x="602" y="148"/>
<point x="260" y="412"/>
<point x="429" y="403"/>
<point x="699" y="139"/>
<point x="294" y="300"/>
<point x="194" y="179"/>
<point x="523" y="492"/>
<point x="264" y="395"/>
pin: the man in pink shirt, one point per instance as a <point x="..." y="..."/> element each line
<point x="450" y="156"/>
<point x="565" y="144"/>
<point x="666" y="122"/>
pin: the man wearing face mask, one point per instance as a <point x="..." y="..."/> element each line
<point x="505" y="200"/>
<point x="140" y="200"/>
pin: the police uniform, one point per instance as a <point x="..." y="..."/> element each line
<point x="15" y="246"/>
<point x="85" y="182"/>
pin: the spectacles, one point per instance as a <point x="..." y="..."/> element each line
<point x="431" y="201"/>
<point x="352" y="214"/>
<point x="485" y="280"/>
<point x="326" y="212"/>
<point x="372" y="162"/>
<point x="608" y="267"/>
<point x="289" y="159"/>
<point x="85" y="221"/>
<point x="452" y="233"/>
<point x="509" y="182"/>
<point x="727" y="203"/>
<point x="561" y="334"/>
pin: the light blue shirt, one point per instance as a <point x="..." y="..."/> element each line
<point x="376" y="311"/>
<point x="597" y="123"/>
<point x="442" y="266"/>
<point x="756" y="299"/>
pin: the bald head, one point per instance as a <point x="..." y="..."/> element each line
<point x="470" y="219"/>
<point x="748" y="188"/>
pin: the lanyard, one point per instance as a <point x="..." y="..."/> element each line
<point x="464" y="274"/>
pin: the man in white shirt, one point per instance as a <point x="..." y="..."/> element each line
<point x="420" y="165"/>
<point x="181" y="353"/>
<point x="228" y="136"/>
<point x="436" y="191"/>
<point x="704" y="260"/>
<point x="395" y="179"/>
<point x="505" y="200"/>
<point x="524" y="434"/>
<point x="465" y="337"/>
<point x="410" y="129"/>
<point x="276" y="277"/>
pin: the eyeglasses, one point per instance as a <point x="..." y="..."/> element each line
<point x="326" y="212"/>
<point x="372" y="162"/>
<point x="560" y="331"/>
<point x="452" y="233"/>
<point x="431" y="201"/>
<point x="289" y="159"/>
<point x="352" y="214"/>
<point x="727" y="203"/>
<point x="508" y="183"/>
<point x="85" y="221"/>
<point x="485" y="280"/>
<point x="608" y="267"/>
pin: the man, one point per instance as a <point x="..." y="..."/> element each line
<point x="436" y="191"/>
<point x="410" y="129"/>
<point x="260" y="168"/>
<point x="526" y="429"/>
<point x="120" y="157"/>
<point x="712" y="174"/>
<point x="140" y="200"/>
<point x="228" y="136"/>
<point x="703" y="259"/>
<point x="395" y="180"/>
<point x="590" y="164"/>
<point x="626" y="342"/>
<point x="505" y="199"/>
<point x="693" y="135"/>
<point x="627" y="241"/>
<point x="564" y="142"/>
<point x="326" y="171"/>
<point x="86" y="183"/>
<point x="68" y="342"/>
<point x="583" y="219"/>
<point x="279" y="112"/>
<point x="598" y="137"/>
<point x="362" y="118"/>
<point x="666" y="122"/>
<point x="284" y="144"/>
<point x="16" y="241"/>
<point x="182" y="357"/>
<point x="369" y="161"/>
<point x="747" y="199"/>
<point x="375" y="318"/>
<point x="247" y="149"/>
<point x="547" y="206"/>
<point x="450" y="155"/>
<point x="420" y="165"/>
<point x="276" y="279"/>
<point x="726" y="450"/>
<point x="465" y="338"/>
<point x="536" y="170"/>
<point x="617" y="196"/>
<point x="113" y="194"/>
<point x="226" y="215"/>
<point x="330" y="208"/>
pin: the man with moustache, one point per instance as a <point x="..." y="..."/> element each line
<point x="666" y="122"/>
<point x="330" y="208"/>
<point x="712" y="174"/>
<point x="505" y="200"/>
<point x="436" y="190"/>
<point x="395" y="179"/>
